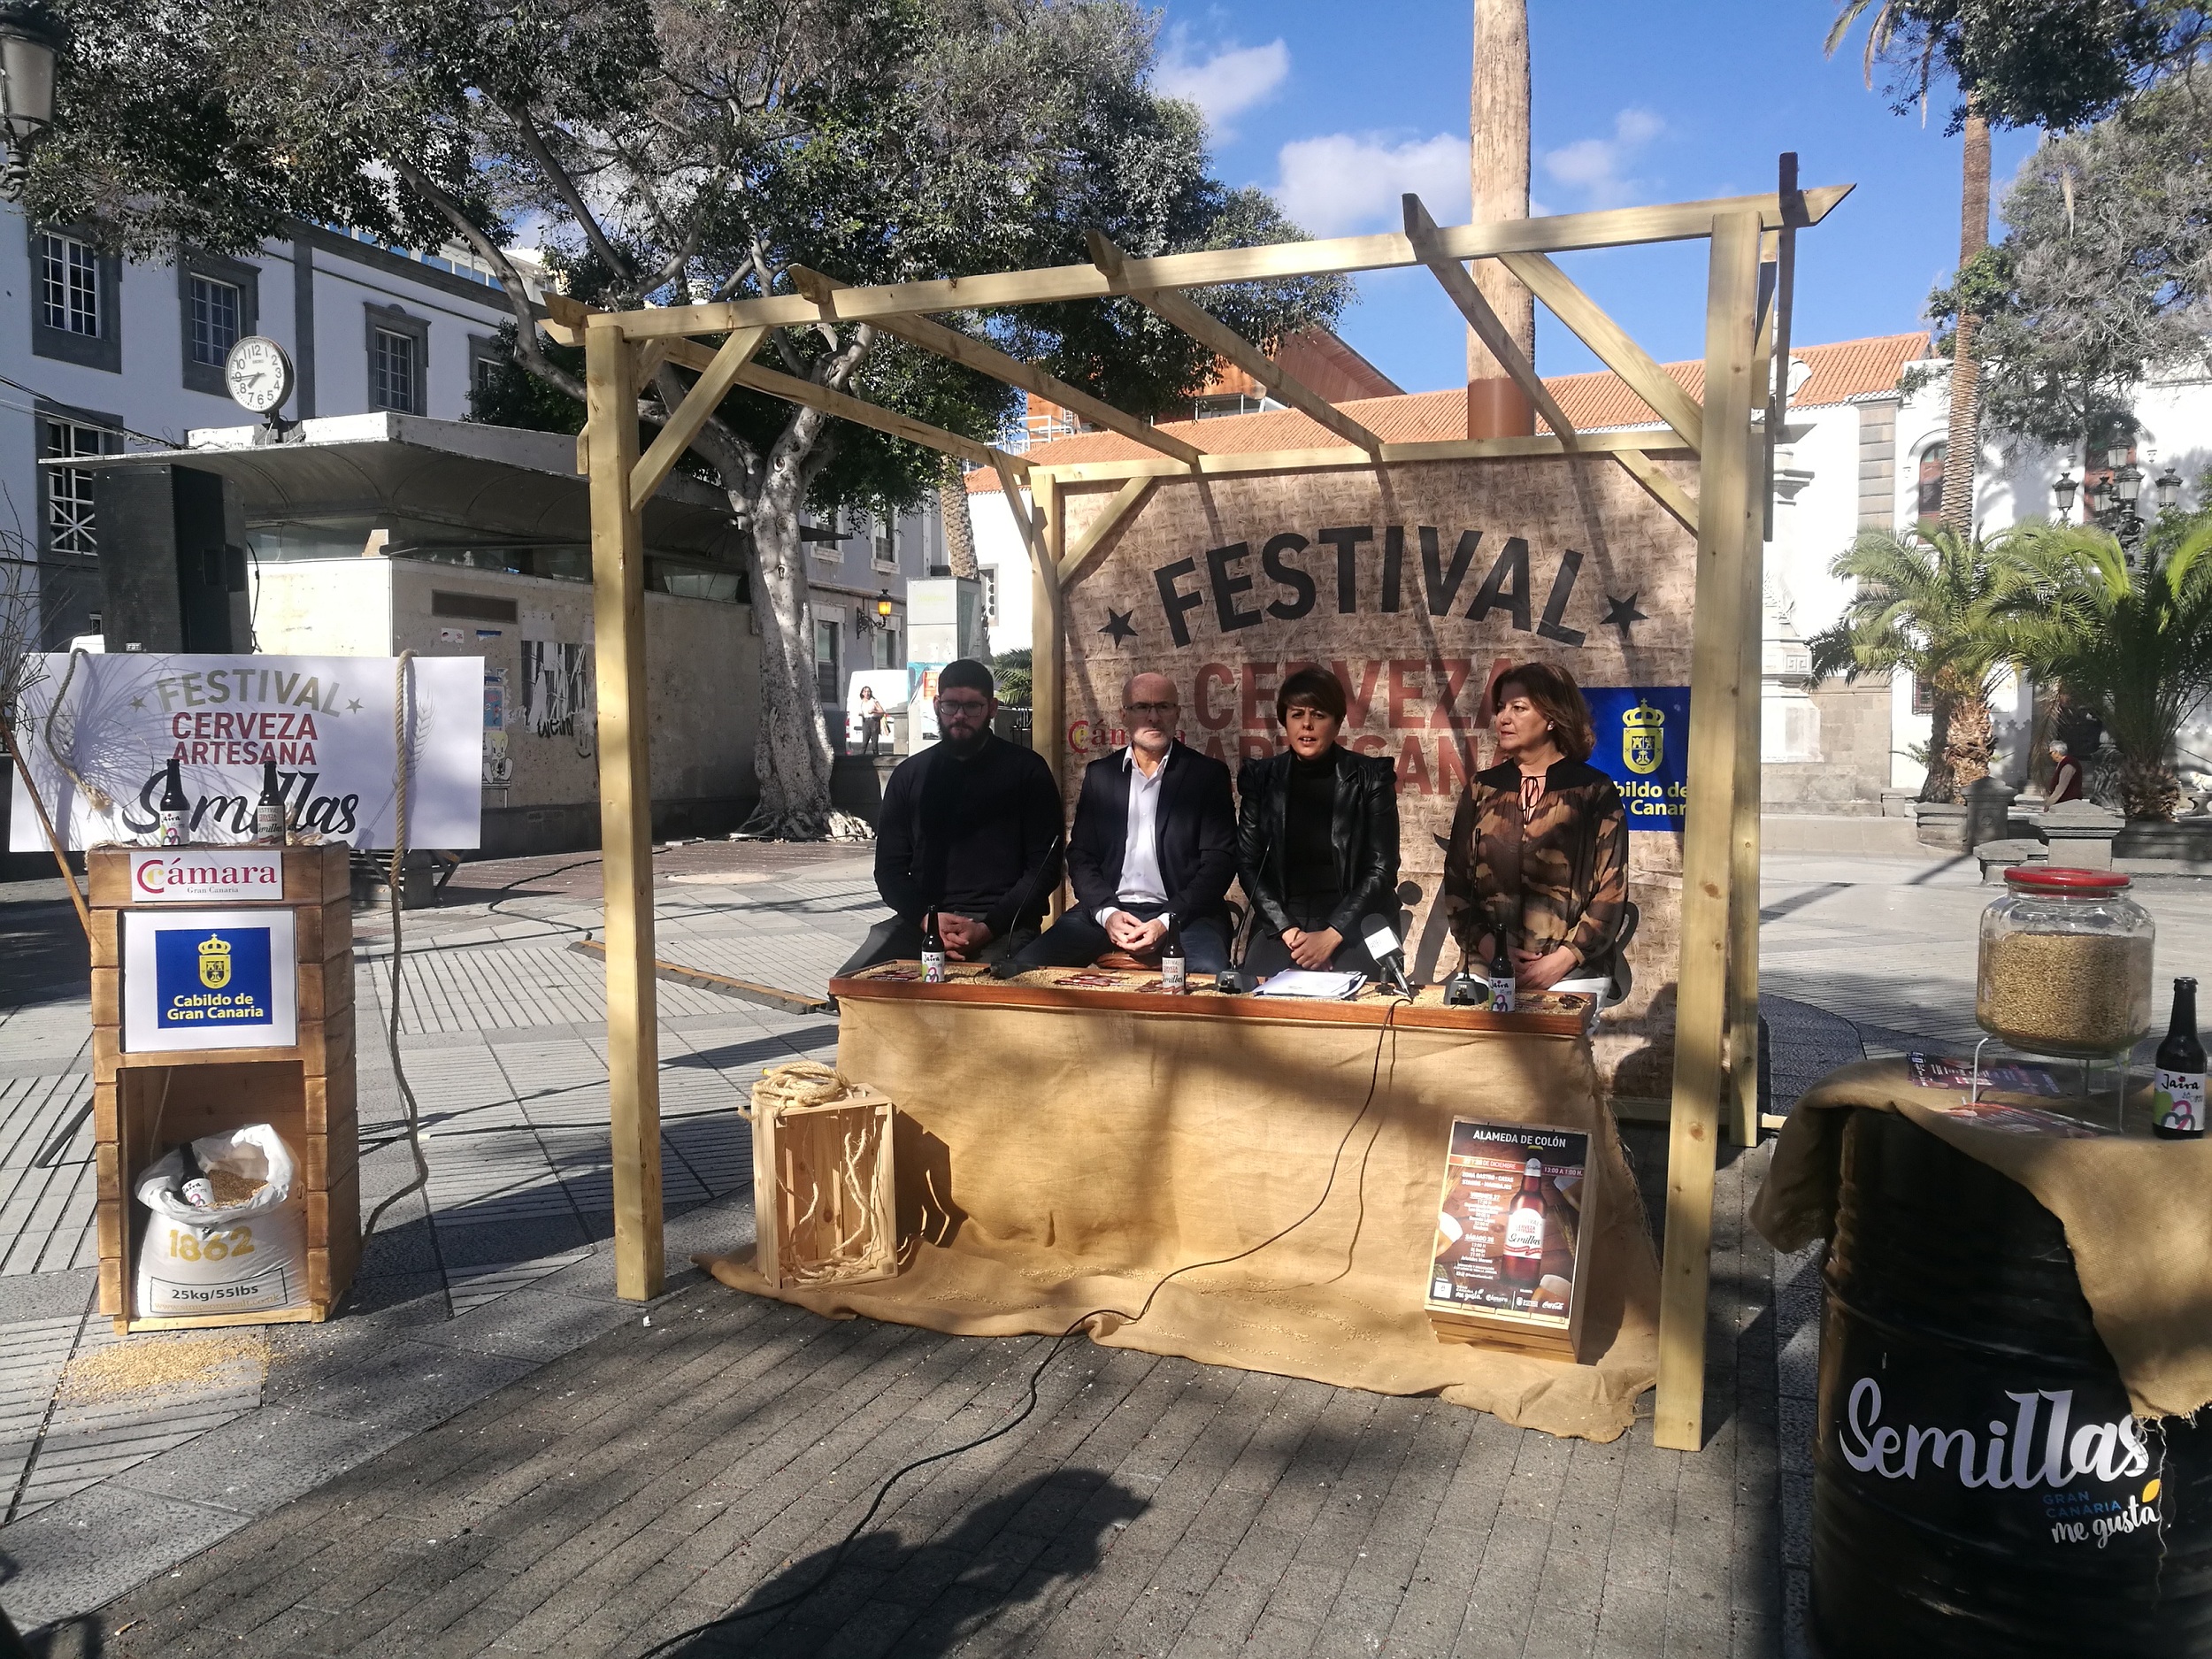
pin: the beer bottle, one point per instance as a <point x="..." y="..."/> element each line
<point x="1523" y="1254"/>
<point x="1500" y="977"/>
<point x="268" y="811"/>
<point x="1174" y="967"/>
<point x="197" y="1190"/>
<point x="175" y="813"/>
<point x="2178" y="1104"/>
<point x="932" y="952"/>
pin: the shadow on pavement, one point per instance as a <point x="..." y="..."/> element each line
<point x="929" y="1598"/>
<point x="43" y="955"/>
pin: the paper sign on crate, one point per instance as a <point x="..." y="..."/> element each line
<point x="1515" y="1209"/>
<point x="208" y="980"/>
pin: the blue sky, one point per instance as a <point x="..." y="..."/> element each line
<point x="1339" y="109"/>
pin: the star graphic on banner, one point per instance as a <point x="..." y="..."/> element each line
<point x="1621" y="612"/>
<point x="1119" y="625"/>
<point x="353" y="706"/>
<point x="139" y="703"/>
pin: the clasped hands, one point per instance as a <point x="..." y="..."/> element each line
<point x="1133" y="936"/>
<point x="1533" y="970"/>
<point x="962" y="936"/>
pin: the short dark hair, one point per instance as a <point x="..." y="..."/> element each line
<point x="1314" y="688"/>
<point x="965" y="674"/>
<point x="1557" y="698"/>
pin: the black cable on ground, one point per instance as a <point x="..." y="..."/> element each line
<point x="845" y="1544"/>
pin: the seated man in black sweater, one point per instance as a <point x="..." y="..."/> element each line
<point x="970" y="829"/>
<point x="1155" y="838"/>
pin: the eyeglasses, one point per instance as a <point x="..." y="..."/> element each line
<point x="945" y="705"/>
<point x="1151" y="708"/>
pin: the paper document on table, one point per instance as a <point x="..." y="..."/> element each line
<point x="1319" y="986"/>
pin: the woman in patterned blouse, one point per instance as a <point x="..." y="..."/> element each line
<point x="1539" y="843"/>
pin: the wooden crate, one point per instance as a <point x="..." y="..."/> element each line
<point x="823" y="1192"/>
<point x="145" y="1103"/>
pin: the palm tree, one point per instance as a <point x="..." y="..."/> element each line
<point x="1895" y="23"/>
<point x="2133" y="646"/>
<point x="1938" y="606"/>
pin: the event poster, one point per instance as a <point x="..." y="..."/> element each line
<point x="1643" y="745"/>
<point x="100" y="761"/>
<point x="1509" y="1224"/>
<point x="208" y="980"/>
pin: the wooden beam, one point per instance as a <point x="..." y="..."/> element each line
<point x="650" y="358"/>
<point x="1649" y="442"/>
<point x="1661" y="483"/>
<point x="1047" y="699"/>
<point x="1488" y="326"/>
<point x="861" y="412"/>
<point x="1725" y="504"/>
<point x="987" y="359"/>
<point x="1226" y="342"/>
<point x="1611" y="343"/>
<point x="626" y="812"/>
<point x="1081" y="557"/>
<point x="698" y="407"/>
<point x="1681" y="221"/>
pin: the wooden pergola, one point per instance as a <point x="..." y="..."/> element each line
<point x="1730" y="433"/>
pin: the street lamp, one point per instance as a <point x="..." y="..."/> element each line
<point x="2063" y="491"/>
<point x="29" y="38"/>
<point x="2168" y="486"/>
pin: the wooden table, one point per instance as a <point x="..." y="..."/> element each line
<point x="1062" y="1146"/>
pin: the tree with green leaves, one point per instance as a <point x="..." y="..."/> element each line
<point x="2133" y="646"/>
<point x="2056" y="64"/>
<point x="687" y="151"/>
<point x="1937" y="606"/>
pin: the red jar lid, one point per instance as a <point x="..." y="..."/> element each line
<point x="2062" y="879"/>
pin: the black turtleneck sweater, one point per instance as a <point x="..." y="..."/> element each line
<point x="1312" y="887"/>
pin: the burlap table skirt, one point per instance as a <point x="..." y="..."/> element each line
<point x="1055" y="1161"/>
<point x="2138" y="1215"/>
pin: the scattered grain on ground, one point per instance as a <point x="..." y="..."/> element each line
<point x="157" y="1362"/>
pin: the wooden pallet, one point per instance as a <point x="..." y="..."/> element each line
<point x="145" y="1103"/>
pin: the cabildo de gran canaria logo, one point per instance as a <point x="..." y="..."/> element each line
<point x="215" y="961"/>
<point x="1643" y="738"/>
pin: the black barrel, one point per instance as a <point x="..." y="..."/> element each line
<point x="1954" y="1327"/>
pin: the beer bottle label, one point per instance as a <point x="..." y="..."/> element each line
<point x="932" y="967"/>
<point x="1525" y="1231"/>
<point x="268" y="823"/>
<point x="1501" y="996"/>
<point x="1172" y="977"/>
<point x="175" y="829"/>
<point x="2178" y="1099"/>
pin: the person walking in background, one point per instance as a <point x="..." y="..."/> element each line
<point x="1317" y="837"/>
<point x="1539" y="843"/>
<point x="871" y="722"/>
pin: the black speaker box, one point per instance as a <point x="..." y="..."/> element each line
<point x="173" y="561"/>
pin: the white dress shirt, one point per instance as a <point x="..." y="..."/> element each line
<point x="1140" y="879"/>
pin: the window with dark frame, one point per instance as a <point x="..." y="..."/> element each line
<point x="69" y="286"/>
<point x="825" y="644"/>
<point x="989" y="575"/>
<point x="216" y="311"/>
<point x="69" y="520"/>
<point x="394" y="370"/>
<point x="1930" y="482"/>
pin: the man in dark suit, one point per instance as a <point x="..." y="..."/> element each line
<point x="1155" y="838"/>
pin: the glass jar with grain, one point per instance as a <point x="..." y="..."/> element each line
<point x="2065" y="963"/>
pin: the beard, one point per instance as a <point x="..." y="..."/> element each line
<point x="968" y="745"/>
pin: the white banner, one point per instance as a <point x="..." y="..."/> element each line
<point x="326" y="721"/>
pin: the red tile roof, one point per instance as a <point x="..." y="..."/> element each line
<point x="1847" y="369"/>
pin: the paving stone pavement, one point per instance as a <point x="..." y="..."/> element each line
<point x="488" y="1453"/>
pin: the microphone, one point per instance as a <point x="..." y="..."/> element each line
<point x="1381" y="940"/>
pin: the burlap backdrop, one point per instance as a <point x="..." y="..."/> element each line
<point x="1562" y="544"/>
<point x="1053" y="1162"/>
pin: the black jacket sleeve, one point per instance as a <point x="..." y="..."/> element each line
<point x="1086" y="872"/>
<point x="1207" y="883"/>
<point x="1255" y="834"/>
<point x="1372" y="890"/>
<point x="1041" y="825"/>
<point x="895" y="848"/>
<point x="1461" y="881"/>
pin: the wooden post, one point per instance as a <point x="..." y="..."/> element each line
<point x="1716" y="689"/>
<point x="625" y="809"/>
<point x="1047" y="699"/>
<point x="1742" y="1122"/>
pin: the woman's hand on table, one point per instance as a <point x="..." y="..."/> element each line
<point x="1312" y="949"/>
<point x="1540" y="971"/>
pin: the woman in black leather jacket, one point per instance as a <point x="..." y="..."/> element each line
<point x="1317" y="837"/>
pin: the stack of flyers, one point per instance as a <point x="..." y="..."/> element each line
<point x="2005" y="1077"/>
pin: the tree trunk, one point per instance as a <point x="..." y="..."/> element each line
<point x="791" y="754"/>
<point x="2150" y="792"/>
<point x="1963" y="441"/>
<point x="1498" y="124"/>
<point x="952" y="508"/>
<point x="1969" y="742"/>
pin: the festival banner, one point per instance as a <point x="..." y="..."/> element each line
<point x="97" y="738"/>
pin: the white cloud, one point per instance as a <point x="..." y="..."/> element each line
<point x="1594" y="165"/>
<point x="1234" y="79"/>
<point x="1349" y="182"/>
